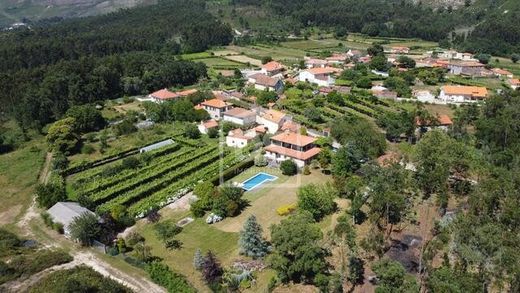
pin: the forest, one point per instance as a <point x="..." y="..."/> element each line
<point x="55" y="65"/>
<point x="494" y="32"/>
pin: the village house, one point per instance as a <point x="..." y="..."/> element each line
<point x="239" y="139"/>
<point x="468" y="68"/>
<point x="354" y="54"/>
<point x="271" y="68"/>
<point x="424" y="96"/>
<point x="240" y="116"/>
<point x="454" y="55"/>
<point x="320" y="76"/>
<point x="263" y="82"/>
<point x="502" y="73"/>
<point x="462" y="94"/>
<point x="215" y="107"/>
<point x="442" y="122"/>
<point x="291" y="126"/>
<point x="399" y="50"/>
<point x="336" y="59"/>
<point x="514" y="83"/>
<point x="272" y="120"/>
<point x="292" y="146"/>
<point x="204" y="126"/>
<point x="383" y="92"/>
<point x="166" y="95"/>
<point x="314" y="63"/>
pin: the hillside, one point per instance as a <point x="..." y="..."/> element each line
<point x="12" y="11"/>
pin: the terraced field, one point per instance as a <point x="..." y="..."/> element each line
<point x="167" y="174"/>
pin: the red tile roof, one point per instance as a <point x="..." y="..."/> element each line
<point x="474" y="91"/>
<point x="210" y="124"/>
<point x="273" y="115"/>
<point x="323" y="70"/>
<point x="443" y="120"/>
<point x="216" y="103"/>
<point x="293" y="153"/>
<point x="294" y="138"/>
<point x="264" y="80"/>
<point x="186" y="93"/>
<point x="272" y="66"/>
<point x="164" y="94"/>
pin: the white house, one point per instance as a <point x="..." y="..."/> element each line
<point x="499" y="72"/>
<point x="205" y="126"/>
<point x="239" y="139"/>
<point x="462" y="94"/>
<point x="215" y="107"/>
<point x="272" y="120"/>
<point x="320" y="76"/>
<point x="454" y="55"/>
<point x="65" y="213"/>
<point x="514" y="83"/>
<point x="263" y="82"/>
<point x="292" y="146"/>
<point x="240" y="116"/>
<point x="314" y="63"/>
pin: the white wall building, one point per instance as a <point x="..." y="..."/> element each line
<point x="462" y="94"/>
<point x="237" y="138"/>
<point x="240" y="116"/>
<point x="320" y="76"/>
<point x="215" y="108"/>
<point x="272" y="120"/>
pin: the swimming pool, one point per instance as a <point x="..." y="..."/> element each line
<point x="257" y="180"/>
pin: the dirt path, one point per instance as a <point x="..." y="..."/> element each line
<point x="89" y="259"/>
<point x="83" y="257"/>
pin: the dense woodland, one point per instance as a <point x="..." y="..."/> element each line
<point x="496" y="32"/>
<point x="53" y="66"/>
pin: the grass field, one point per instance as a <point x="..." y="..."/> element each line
<point x="19" y="171"/>
<point x="218" y="62"/>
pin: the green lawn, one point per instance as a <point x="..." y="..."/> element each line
<point x="195" y="235"/>
<point x="218" y="62"/>
<point x="19" y="172"/>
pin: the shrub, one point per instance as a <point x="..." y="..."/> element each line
<point x="213" y="132"/>
<point x="87" y="149"/>
<point x="47" y="220"/>
<point x="191" y="131"/>
<point x="198" y="209"/>
<point x="306" y="170"/>
<point x="286" y="209"/>
<point x="260" y="161"/>
<point x="164" y="276"/>
<point x="133" y="238"/>
<point x="288" y="167"/>
<point x="58" y="227"/>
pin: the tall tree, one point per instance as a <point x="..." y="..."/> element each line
<point x="297" y="254"/>
<point x="251" y="242"/>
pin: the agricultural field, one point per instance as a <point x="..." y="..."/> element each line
<point x="160" y="177"/>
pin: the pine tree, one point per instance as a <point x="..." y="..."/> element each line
<point x="211" y="269"/>
<point x="198" y="260"/>
<point x="251" y="242"/>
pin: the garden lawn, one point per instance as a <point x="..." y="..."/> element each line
<point x="264" y="200"/>
<point x="218" y="62"/>
<point x="195" y="235"/>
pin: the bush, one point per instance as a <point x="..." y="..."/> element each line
<point x="286" y="209"/>
<point x="289" y="167"/>
<point x="198" y="209"/>
<point x="133" y="238"/>
<point x="47" y="220"/>
<point x="260" y="161"/>
<point x="191" y="131"/>
<point x="87" y="149"/>
<point x="306" y="170"/>
<point x="164" y="276"/>
<point x="58" y="227"/>
<point x="213" y="132"/>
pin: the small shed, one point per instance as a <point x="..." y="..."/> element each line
<point x="65" y="212"/>
<point x="155" y="146"/>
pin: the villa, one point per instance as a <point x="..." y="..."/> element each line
<point x="215" y="108"/>
<point x="272" y="120"/>
<point x="320" y="76"/>
<point x="239" y="139"/>
<point x="292" y="146"/>
<point x="462" y="94"/>
<point x="264" y="82"/>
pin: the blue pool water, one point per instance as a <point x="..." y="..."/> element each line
<point x="257" y="180"/>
